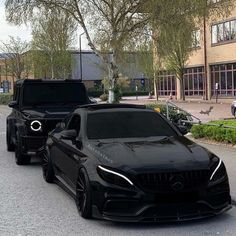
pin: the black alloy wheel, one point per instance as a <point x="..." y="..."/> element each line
<point x="47" y="168"/>
<point x="83" y="195"/>
<point x="21" y="159"/>
<point x="10" y="145"/>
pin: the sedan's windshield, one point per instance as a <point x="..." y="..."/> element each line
<point x="127" y="124"/>
<point x="53" y="93"/>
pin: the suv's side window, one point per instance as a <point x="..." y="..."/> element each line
<point x="74" y="123"/>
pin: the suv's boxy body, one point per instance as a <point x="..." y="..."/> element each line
<point x="37" y="106"/>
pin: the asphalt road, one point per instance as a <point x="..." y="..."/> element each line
<point x="31" y="207"/>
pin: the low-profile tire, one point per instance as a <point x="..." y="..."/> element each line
<point x="83" y="195"/>
<point x="10" y="145"/>
<point x="21" y="159"/>
<point x="47" y="167"/>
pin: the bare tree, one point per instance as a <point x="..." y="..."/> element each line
<point x="53" y="34"/>
<point x="115" y="20"/>
<point x="15" y="48"/>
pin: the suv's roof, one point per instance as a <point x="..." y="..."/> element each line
<point x="25" y="81"/>
<point x="95" y="107"/>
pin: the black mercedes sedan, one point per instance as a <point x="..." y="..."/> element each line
<point x="128" y="163"/>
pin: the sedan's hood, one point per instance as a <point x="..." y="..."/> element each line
<point x="46" y="113"/>
<point x="175" y="153"/>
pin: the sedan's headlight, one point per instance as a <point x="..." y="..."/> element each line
<point x="218" y="171"/>
<point x="36" y="125"/>
<point x="114" y="177"/>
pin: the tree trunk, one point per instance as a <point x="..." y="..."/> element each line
<point x="156" y="65"/>
<point x="52" y="68"/>
<point x="182" y="87"/>
<point x="156" y="87"/>
<point x="113" y="76"/>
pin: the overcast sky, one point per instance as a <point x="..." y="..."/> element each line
<point x="7" y="29"/>
<point x="23" y="31"/>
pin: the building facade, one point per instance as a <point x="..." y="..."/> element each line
<point x="211" y="68"/>
<point x="6" y="77"/>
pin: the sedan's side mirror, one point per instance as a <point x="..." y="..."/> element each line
<point x="69" y="134"/>
<point x="61" y="125"/>
<point x="13" y="104"/>
<point x="183" y="130"/>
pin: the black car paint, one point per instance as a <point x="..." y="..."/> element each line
<point x="132" y="157"/>
<point x="49" y="114"/>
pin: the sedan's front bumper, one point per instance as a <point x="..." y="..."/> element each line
<point x="167" y="213"/>
<point x="137" y="206"/>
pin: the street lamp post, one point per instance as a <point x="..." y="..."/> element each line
<point x="80" y="57"/>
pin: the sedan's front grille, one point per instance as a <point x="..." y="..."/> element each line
<point x="173" y="181"/>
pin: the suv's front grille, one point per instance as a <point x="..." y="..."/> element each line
<point x="173" y="181"/>
<point x="47" y="126"/>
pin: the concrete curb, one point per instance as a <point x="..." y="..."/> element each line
<point x="208" y="141"/>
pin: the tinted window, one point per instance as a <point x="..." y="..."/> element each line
<point x="127" y="125"/>
<point x="54" y="93"/>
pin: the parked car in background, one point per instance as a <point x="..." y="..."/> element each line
<point x="37" y="106"/>
<point x="233" y="108"/>
<point x="129" y="163"/>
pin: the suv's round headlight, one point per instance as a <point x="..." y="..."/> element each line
<point x="36" y="125"/>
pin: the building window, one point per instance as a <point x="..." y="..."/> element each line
<point x="223" y="32"/>
<point x="167" y="84"/>
<point x="225" y="76"/>
<point x="193" y="81"/>
<point x="196" y="38"/>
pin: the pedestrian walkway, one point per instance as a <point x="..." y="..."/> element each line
<point x="196" y="107"/>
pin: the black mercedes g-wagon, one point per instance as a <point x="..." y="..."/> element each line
<point x="37" y="106"/>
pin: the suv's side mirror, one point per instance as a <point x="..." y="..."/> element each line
<point x="13" y="104"/>
<point x="69" y="134"/>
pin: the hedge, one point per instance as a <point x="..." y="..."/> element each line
<point x="98" y="93"/>
<point x="216" y="133"/>
<point x="5" y="98"/>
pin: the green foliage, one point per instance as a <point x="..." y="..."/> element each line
<point x="5" y="98"/>
<point x="217" y="133"/>
<point x="94" y="93"/>
<point x="231" y="122"/>
<point x="175" y="115"/>
<point x="104" y="97"/>
<point x="122" y="83"/>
